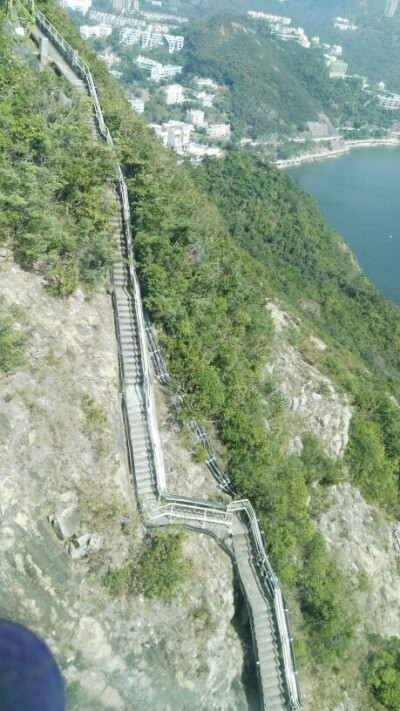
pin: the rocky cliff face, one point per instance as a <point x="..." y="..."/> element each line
<point x="68" y="516"/>
<point x="62" y="454"/>
<point x="313" y="404"/>
<point x="362" y="538"/>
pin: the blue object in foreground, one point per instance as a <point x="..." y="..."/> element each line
<point x="30" y="679"/>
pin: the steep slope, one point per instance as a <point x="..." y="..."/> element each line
<point x="209" y="298"/>
<point x="63" y="458"/>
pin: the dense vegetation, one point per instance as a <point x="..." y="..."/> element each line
<point x="162" y="569"/>
<point x="272" y="217"/>
<point x="264" y="93"/>
<point x="159" y="571"/>
<point x="207" y="295"/>
<point x="54" y="202"/>
<point x="383" y="674"/>
<point x="275" y="86"/>
<point x="12" y="337"/>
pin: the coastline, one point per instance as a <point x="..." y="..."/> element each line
<point x="342" y="150"/>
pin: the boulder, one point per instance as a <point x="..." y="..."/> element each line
<point x="80" y="546"/>
<point x="66" y="522"/>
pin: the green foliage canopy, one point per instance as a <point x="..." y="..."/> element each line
<point x="55" y="205"/>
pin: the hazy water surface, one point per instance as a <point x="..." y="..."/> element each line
<point x="360" y="196"/>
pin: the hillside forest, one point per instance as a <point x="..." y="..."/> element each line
<point x="212" y="244"/>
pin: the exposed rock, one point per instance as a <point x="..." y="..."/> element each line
<point x="66" y="522"/>
<point x="311" y="306"/>
<point x="317" y="406"/>
<point x="361" y="537"/>
<point x="119" y="653"/>
<point x="80" y="546"/>
<point x="281" y="319"/>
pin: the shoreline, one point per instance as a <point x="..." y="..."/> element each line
<point x="344" y="149"/>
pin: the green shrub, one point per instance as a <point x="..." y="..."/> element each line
<point x="96" y="416"/>
<point x="318" y="466"/>
<point x="200" y="454"/>
<point x="119" y="582"/>
<point x="325" y="601"/>
<point x="162" y="569"/>
<point x="55" y="204"/>
<point x="383" y="675"/>
<point x="12" y="340"/>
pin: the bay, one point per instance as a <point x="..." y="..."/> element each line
<point x="359" y="194"/>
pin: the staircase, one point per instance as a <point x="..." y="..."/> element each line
<point x="266" y="644"/>
<point x="132" y="379"/>
<point x="235" y="525"/>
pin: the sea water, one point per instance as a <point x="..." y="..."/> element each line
<point x="359" y="194"/>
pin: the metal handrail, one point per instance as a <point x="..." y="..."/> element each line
<point x="180" y="503"/>
<point x="264" y="564"/>
<point x="190" y="501"/>
<point x="77" y="64"/>
<point x="203" y="514"/>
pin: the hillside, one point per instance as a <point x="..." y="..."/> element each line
<point x="372" y="50"/>
<point x="228" y="256"/>
<point x="305" y="12"/>
<point x="265" y="94"/>
<point x="274" y="87"/>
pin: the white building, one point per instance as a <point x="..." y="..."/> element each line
<point x="198" y="151"/>
<point x="389" y="101"/>
<point x="174" y="94"/>
<point x="79" y="5"/>
<point x="162" y="17"/>
<point x="219" y="130"/>
<point x="178" y="134"/>
<point x="174" y="42"/>
<point x="269" y="18"/>
<point x="120" y="5"/>
<point x="95" y="31"/>
<point x="174" y="134"/>
<point x="164" y="71"/>
<point x="151" y="37"/>
<point x="342" y="23"/>
<point x="157" y="71"/>
<point x="206" y="100"/>
<point x="206" y="82"/>
<point x="391" y="7"/>
<point x="195" y="117"/>
<point x="137" y="104"/>
<point x="337" y="69"/>
<point x="106" y="18"/>
<point x="130" y="35"/>
<point x="286" y="34"/>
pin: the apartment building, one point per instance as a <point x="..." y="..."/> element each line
<point x="205" y="99"/>
<point x="95" y="31"/>
<point x="157" y="71"/>
<point x="130" y="35"/>
<point x="174" y="42"/>
<point x="337" y="68"/>
<point x="174" y="134"/>
<point x="174" y="94"/>
<point x="195" y="117"/>
<point x="219" y="130"/>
